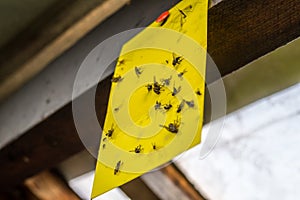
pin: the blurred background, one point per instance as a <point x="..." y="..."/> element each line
<point x="256" y="48"/>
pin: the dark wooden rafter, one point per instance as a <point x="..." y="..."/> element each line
<point x="239" y="32"/>
<point x="137" y="189"/>
<point x="60" y="27"/>
<point x="173" y="173"/>
<point x="47" y="185"/>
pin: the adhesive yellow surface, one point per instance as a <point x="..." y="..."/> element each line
<point x="139" y="133"/>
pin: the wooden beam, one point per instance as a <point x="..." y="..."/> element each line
<point x="48" y="186"/>
<point x="163" y="186"/>
<point x="137" y="189"/>
<point x="17" y="193"/>
<point x="239" y="32"/>
<point x="31" y="150"/>
<point x="62" y="27"/>
<point x="180" y="180"/>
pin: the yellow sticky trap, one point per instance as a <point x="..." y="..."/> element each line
<point x="155" y="109"/>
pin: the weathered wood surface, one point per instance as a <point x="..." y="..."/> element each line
<point x="137" y="189"/>
<point x="48" y="186"/>
<point x="48" y="37"/>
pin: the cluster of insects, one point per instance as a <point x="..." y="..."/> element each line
<point x="157" y="87"/>
<point x="138" y="149"/>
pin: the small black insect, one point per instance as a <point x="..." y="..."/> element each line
<point x="189" y="7"/>
<point x="183" y="18"/>
<point x="166" y="81"/>
<point x="154" y="147"/>
<point x="149" y="87"/>
<point x="167" y="106"/>
<point x="180" y="106"/>
<point x="157" y="105"/>
<point x="180" y="75"/>
<point x="167" y="61"/>
<point x="198" y="92"/>
<point x="104" y="139"/>
<point x="176" y="90"/>
<point x="103" y="146"/>
<point x="137" y="149"/>
<point x="182" y="13"/>
<point x="110" y="131"/>
<point x="176" y="60"/>
<point x="173" y="127"/>
<point x="116" y="79"/>
<point x="121" y="62"/>
<point x="190" y="104"/>
<point x="138" y="71"/>
<point x="117" y="168"/>
<point x="157" y="87"/>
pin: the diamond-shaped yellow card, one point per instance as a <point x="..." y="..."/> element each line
<point x="155" y="108"/>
